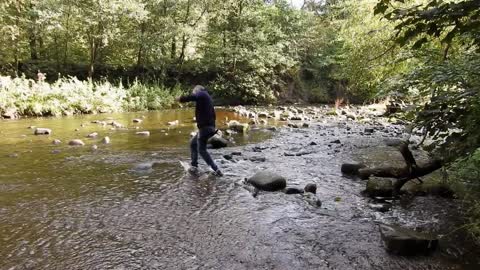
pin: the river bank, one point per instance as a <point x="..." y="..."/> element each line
<point x="129" y="204"/>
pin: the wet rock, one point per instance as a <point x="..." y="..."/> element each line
<point x="263" y="114"/>
<point x="263" y="122"/>
<point x="337" y="141"/>
<point x="407" y="242"/>
<point x="228" y="157"/>
<point x="56" y="151"/>
<point x="351" y="168"/>
<point x="94" y="147"/>
<point x="116" y="124"/>
<point x="31" y="127"/>
<point x="379" y="187"/>
<point x="173" y="123"/>
<point x="56" y="142"/>
<point x="237" y="126"/>
<point x="296" y="118"/>
<point x="76" y="142"/>
<point x="272" y="128"/>
<point x="305" y="125"/>
<point x="217" y="142"/>
<point x="106" y="140"/>
<point x="312" y="199"/>
<point x="137" y="120"/>
<point x="268" y="181"/>
<point x="312" y="143"/>
<point x="257" y="159"/>
<point x="368" y="130"/>
<point x="293" y="125"/>
<point x="310" y="187"/>
<point x="236" y="153"/>
<point x="10" y="114"/>
<point x="380" y="207"/>
<point x="92" y="135"/>
<point x="293" y="190"/>
<point x="13" y="155"/>
<point x="42" y="131"/>
<point x="143" y="133"/>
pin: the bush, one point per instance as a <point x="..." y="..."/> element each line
<point x="71" y="96"/>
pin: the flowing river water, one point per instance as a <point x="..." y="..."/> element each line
<point x="129" y="204"/>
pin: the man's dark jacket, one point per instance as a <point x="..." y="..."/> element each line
<point x="204" y="111"/>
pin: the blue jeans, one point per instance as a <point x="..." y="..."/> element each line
<point x="198" y="145"/>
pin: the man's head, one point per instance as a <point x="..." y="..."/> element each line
<point x="197" y="89"/>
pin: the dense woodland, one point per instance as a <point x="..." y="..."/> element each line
<point x="115" y="55"/>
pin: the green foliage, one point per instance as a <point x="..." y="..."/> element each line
<point x="72" y="96"/>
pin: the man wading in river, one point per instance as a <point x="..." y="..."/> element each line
<point x="205" y="115"/>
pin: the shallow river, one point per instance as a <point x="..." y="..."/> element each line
<point x="63" y="207"/>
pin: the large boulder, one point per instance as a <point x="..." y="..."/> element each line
<point x="379" y="187"/>
<point x="403" y="241"/>
<point x="268" y="181"/>
<point x="217" y="142"/>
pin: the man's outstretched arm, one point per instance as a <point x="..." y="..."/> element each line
<point x="188" y="98"/>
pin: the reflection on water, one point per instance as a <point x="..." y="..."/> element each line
<point x="129" y="204"/>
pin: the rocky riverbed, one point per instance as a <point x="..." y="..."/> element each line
<point x="130" y="205"/>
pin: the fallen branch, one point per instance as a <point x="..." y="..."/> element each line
<point x="412" y="170"/>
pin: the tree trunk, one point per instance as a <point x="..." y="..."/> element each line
<point x="141" y="45"/>
<point x="173" y="48"/>
<point x="93" y="52"/>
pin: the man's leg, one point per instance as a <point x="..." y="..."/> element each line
<point x="194" y="151"/>
<point x="203" y="136"/>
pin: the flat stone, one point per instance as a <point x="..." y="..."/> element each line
<point x="143" y="133"/>
<point x="351" y="168"/>
<point x="42" y="131"/>
<point x="268" y="181"/>
<point x="293" y="190"/>
<point x="92" y="135"/>
<point x="76" y="142"/>
<point x="407" y="242"/>
<point x="257" y="159"/>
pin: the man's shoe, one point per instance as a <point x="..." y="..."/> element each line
<point x="217" y="173"/>
<point x="193" y="170"/>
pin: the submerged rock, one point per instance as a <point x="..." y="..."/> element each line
<point x="217" y="142"/>
<point x="42" y="131"/>
<point x="76" y="142"/>
<point x="268" y="181"/>
<point x="56" y="141"/>
<point x="312" y="199"/>
<point x="237" y="126"/>
<point x="379" y="187"/>
<point x="403" y="241"/>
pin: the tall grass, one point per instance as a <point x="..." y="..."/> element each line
<point x="71" y="96"/>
